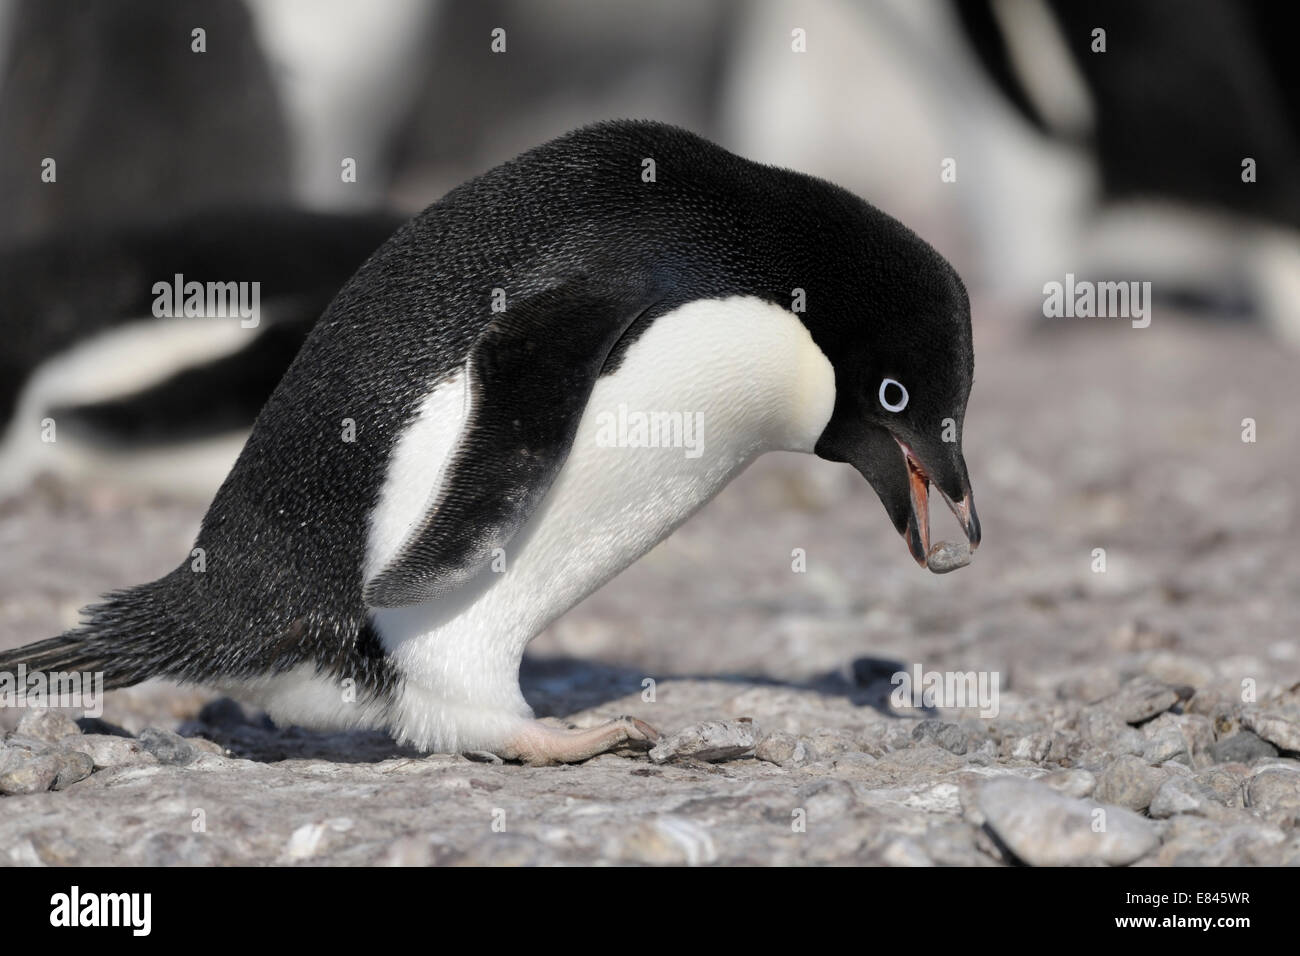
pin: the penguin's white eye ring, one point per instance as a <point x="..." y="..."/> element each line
<point x="900" y="403"/>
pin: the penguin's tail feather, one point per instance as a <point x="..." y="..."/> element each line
<point x="63" y="654"/>
<point x="116" y="641"/>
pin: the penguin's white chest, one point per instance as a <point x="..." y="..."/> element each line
<point x="701" y="393"/>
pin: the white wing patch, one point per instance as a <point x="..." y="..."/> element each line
<point x="416" y="469"/>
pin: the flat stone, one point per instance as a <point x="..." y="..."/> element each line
<point x="1282" y="732"/>
<point x="1143" y="698"/>
<point x="1045" y="828"/>
<point x="710" y="741"/>
<point x="1242" y="747"/>
<point x="109" y="751"/>
<point x="167" y="747"/>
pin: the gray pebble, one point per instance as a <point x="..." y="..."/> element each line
<point x="1282" y="732"/>
<point x="1275" y="790"/>
<point x="109" y="751"/>
<point x="947" y="556"/>
<point x="74" y="766"/>
<point x="1142" y="698"/>
<point x="47" y="725"/>
<point x="1168" y="743"/>
<point x="1108" y="733"/>
<point x="1242" y="747"/>
<point x="946" y="735"/>
<point x="1180" y="795"/>
<point x="168" y="747"/>
<point x="1045" y="828"/>
<point x="29" y="775"/>
<point x="1224" y="784"/>
<point x="784" y="750"/>
<point x="712" y="740"/>
<point x="1130" y="782"/>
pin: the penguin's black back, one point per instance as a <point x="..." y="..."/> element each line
<point x="284" y="540"/>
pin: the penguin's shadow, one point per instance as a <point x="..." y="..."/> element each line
<point x="555" y="686"/>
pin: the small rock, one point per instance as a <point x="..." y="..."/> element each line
<point x="1275" y="790"/>
<point x="1225" y="785"/>
<point x="47" y="725"/>
<point x="74" y="766"/>
<point x="828" y="742"/>
<point x="712" y="741"/>
<point x="1180" y="795"/>
<point x="1129" y="782"/>
<point x="1282" y="732"/>
<point x="1142" y="698"/>
<point x="1242" y="747"/>
<point x="1033" y="747"/>
<point x="1186" y="738"/>
<point x="1107" y="733"/>
<point x="946" y="735"/>
<point x="168" y="747"/>
<point x="1045" y="828"/>
<point x="946" y="556"/>
<point x="109" y="751"/>
<point x="784" y="750"/>
<point x="30" y="775"/>
<point x="854" y="761"/>
<point x="1166" y="744"/>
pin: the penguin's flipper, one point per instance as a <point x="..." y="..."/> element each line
<point x="530" y="375"/>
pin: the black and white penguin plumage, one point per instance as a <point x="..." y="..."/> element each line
<point x="149" y="399"/>
<point x="428" y="486"/>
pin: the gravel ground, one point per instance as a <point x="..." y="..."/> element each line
<point x="1147" y="714"/>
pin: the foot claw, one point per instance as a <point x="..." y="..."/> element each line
<point x="540" y="745"/>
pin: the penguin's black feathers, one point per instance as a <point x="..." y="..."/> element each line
<point x="533" y="368"/>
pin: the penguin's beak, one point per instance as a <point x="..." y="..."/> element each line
<point x="916" y="532"/>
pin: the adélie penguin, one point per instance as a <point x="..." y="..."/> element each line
<point x="440" y="474"/>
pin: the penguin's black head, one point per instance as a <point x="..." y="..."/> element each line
<point x="901" y="349"/>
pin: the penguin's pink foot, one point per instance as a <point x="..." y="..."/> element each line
<point x="539" y="744"/>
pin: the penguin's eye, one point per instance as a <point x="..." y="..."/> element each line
<point x="893" y="395"/>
